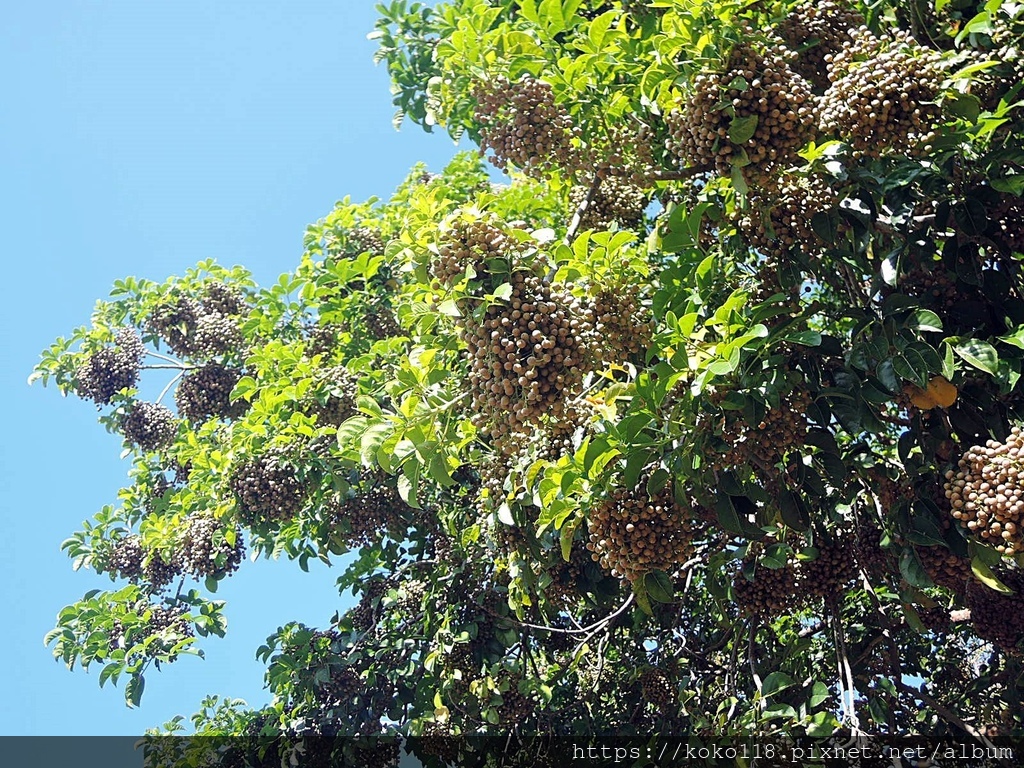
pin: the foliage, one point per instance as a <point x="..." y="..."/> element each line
<point x="705" y="423"/>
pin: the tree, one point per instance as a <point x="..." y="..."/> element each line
<point x="706" y="424"/>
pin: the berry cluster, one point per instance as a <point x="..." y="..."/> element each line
<point x="268" y="488"/>
<point x="1008" y="218"/>
<point x="364" y="240"/>
<point x="324" y="339"/>
<point x="828" y="576"/>
<point x="521" y="124"/>
<point x="204" y="327"/>
<point x="632" y="533"/>
<point x="127" y="558"/>
<point x="204" y="550"/>
<point x="167" y="622"/>
<point x="657" y="688"/>
<point x="936" y="288"/>
<point x="205" y="393"/>
<point x="871" y="558"/>
<point x="526" y="356"/>
<point x="466" y="244"/>
<point x="615" y="201"/>
<point x="882" y="93"/>
<point x="764" y="445"/>
<point x="376" y="510"/>
<point x="768" y="592"/>
<point x="149" y="426"/>
<point x="333" y="397"/>
<point x="776" y="221"/>
<point x="945" y="568"/>
<point x="379" y="318"/>
<point x="111" y="369"/>
<point x="997" y="617"/>
<point x="756" y="94"/>
<point x="624" y="325"/>
<point x="986" y="492"/>
<point x="816" y="31"/>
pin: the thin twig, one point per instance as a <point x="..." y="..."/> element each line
<point x="170" y="384"/>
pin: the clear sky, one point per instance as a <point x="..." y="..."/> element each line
<point x="137" y="138"/>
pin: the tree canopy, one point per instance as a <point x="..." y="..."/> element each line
<point x="703" y="424"/>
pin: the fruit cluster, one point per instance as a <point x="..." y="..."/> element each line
<point x="167" y="622"/>
<point x="633" y="533"/>
<point x="882" y="93"/>
<point x="268" y="488"/>
<point x="615" y="201"/>
<point x="204" y="327"/>
<point x="205" y="393"/>
<point x="755" y="114"/>
<point x="111" y="369"/>
<point x="778" y="220"/>
<point x="767" y="592"/>
<point x="1009" y="223"/>
<point x="526" y="356"/>
<point x="997" y="617"/>
<point x="332" y="399"/>
<point x="657" y="688"/>
<point x="946" y="569"/>
<point x="985" y="492"/>
<point x="469" y="244"/>
<point x="830" y="573"/>
<point x="765" y="444"/>
<point x="817" y="31"/>
<point x="204" y="549"/>
<point x="624" y="324"/>
<point x="149" y="426"/>
<point x="521" y="124"/>
<point x="376" y="510"/>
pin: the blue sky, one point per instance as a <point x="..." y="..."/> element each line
<point x="139" y="138"/>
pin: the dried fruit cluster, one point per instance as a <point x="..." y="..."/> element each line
<point x="755" y="114"/>
<point x="111" y="369"/>
<point x="624" y="325"/>
<point x="882" y="94"/>
<point x="127" y="558"/>
<point x="816" y="31"/>
<point x="830" y="573"/>
<point x="526" y="356"/>
<point x="522" y="125"/>
<point x="985" y="492"/>
<point x="268" y="488"/>
<point x="946" y="569"/>
<point x="632" y="533"/>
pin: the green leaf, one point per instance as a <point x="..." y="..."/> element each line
<point x="913" y="571"/>
<point x="659" y="586"/>
<point x="923" y="320"/>
<point x="983" y="573"/>
<point x="980" y="354"/>
<point x="775" y="683"/>
<point x="775" y="557"/>
<point x="806" y="338"/>
<point x="134" y="689"/>
<point x="742" y="129"/>
<point x="819" y="695"/>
